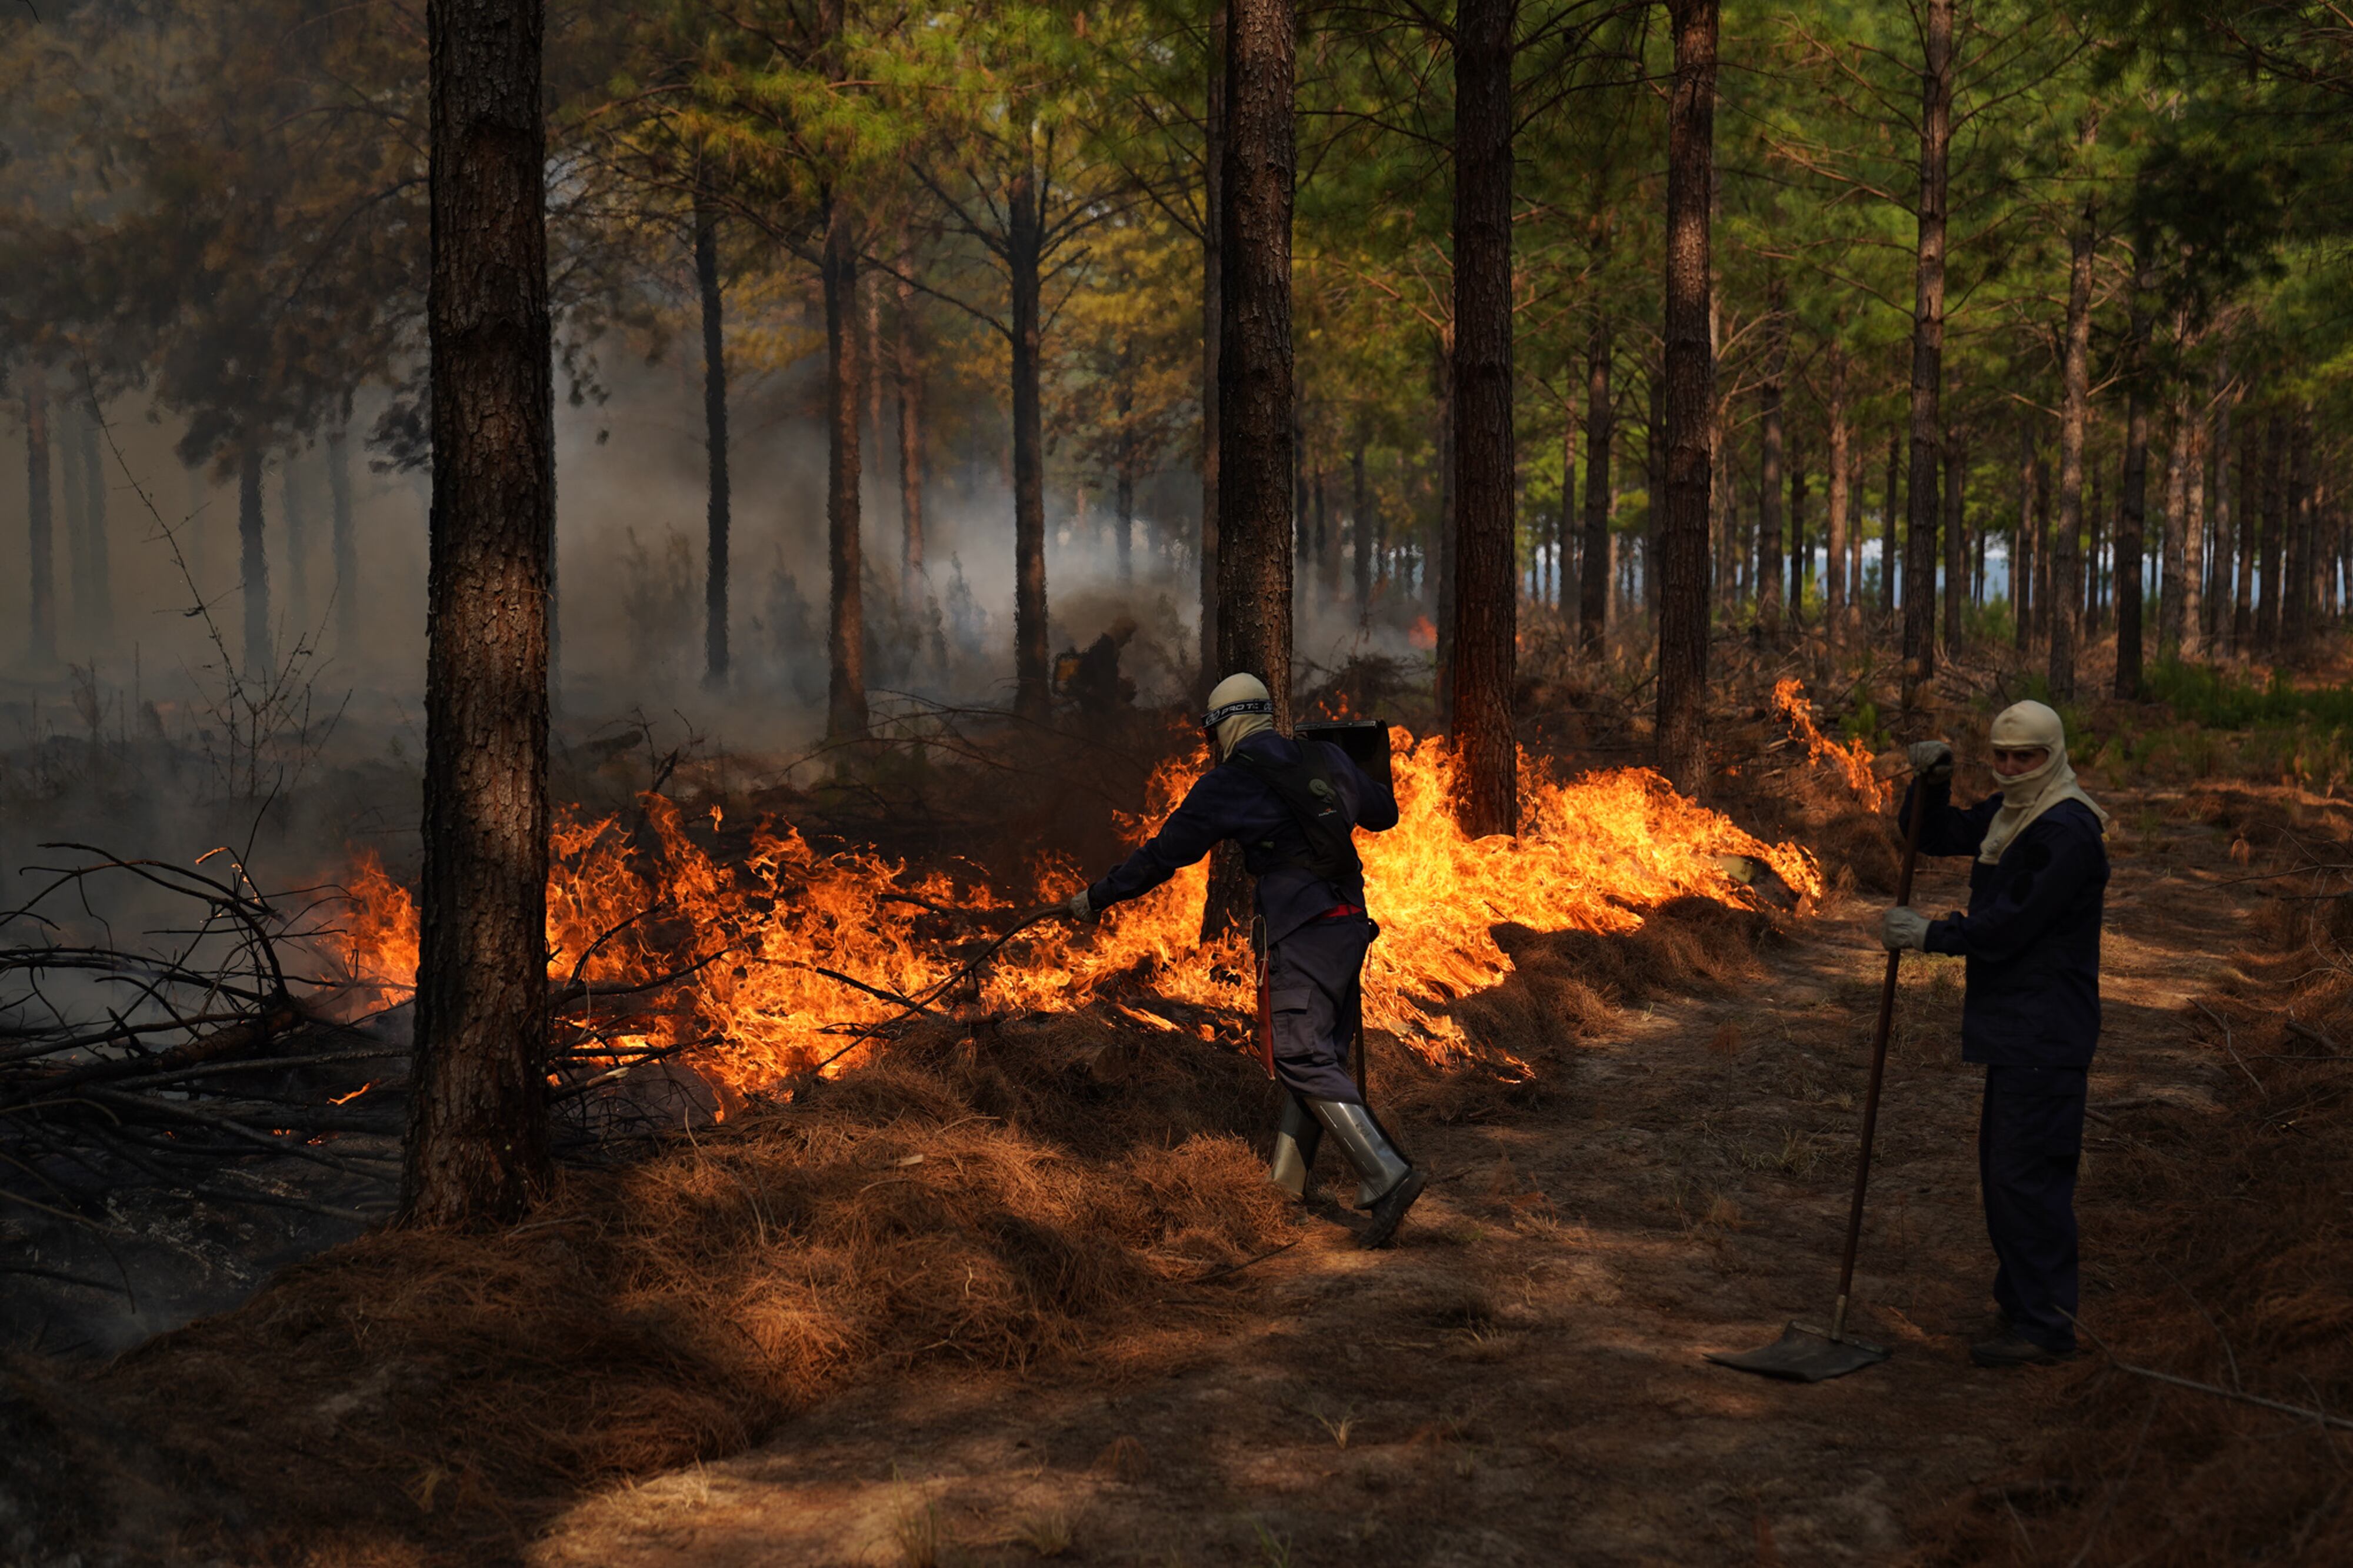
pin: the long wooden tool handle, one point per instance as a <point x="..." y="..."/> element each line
<point x="1878" y="1063"/>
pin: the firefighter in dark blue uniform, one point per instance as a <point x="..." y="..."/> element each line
<point x="1292" y="808"/>
<point x="2030" y="1012"/>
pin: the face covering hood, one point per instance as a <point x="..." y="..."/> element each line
<point x="2020" y="727"/>
<point x="1239" y="707"/>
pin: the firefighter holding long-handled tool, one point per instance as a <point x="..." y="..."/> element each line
<point x="2031" y="1012"/>
<point x="1293" y="804"/>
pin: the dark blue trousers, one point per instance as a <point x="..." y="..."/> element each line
<point x="1311" y="982"/>
<point x="2030" y="1139"/>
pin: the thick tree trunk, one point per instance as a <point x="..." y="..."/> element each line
<point x="715" y="436"/>
<point x="1254" y="379"/>
<point x="253" y="568"/>
<point x="1486" y="567"/>
<point x="1593" y="586"/>
<point x="2132" y="518"/>
<point x="1768" y="475"/>
<point x="1024" y="256"/>
<point x="1689" y="397"/>
<point x="2066" y="555"/>
<point x="844" y="709"/>
<point x="476" y="1149"/>
<point x="1213" y="221"/>
<point x="40" y="547"/>
<point x="1956" y="537"/>
<point x="907" y="363"/>
<point x="345" y="542"/>
<point x="2189" y="616"/>
<point x="1838" y="526"/>
<point x="1928" y="346"/>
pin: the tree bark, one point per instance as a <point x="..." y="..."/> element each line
<point x="714" y="435"/>
<point x="476" y="1149"/>
<point x="1486" y="567"/>
<point x="2132" y="518"/>
<point x="343" y="542"/>
<point x="2173" y="549"/>
<point x="908" y="365"/>
<point x="1360" y="523"/>
<point x="1802" y="555"/>
<point x="1213" y="221"/>
<point x="1956" y="536"/>
<point x="253" y="567"/>
<point x="2267" y="608"/>
<point x="1768" y="476"/>
<point x="1837" y="525"/>
<point x="2302" y="580"/>
<point x="1683" y="566"/>
<point x="1593" y="585"/>
<point x="844" y="709"/>
<point x="2066" y="555"/>
<point x="1024" y="253"/>
<point x="1927" y="434"/>
<point x="2249" y="489"/>
<point x="1254" y="379"/>
<point x="1888" y="536"/>
<point x="40" y="546"/>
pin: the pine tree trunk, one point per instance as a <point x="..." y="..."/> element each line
<point x="1927" y="433"/>
<point x="476" y="1149"/>
<point x="1213" y="221"/>
<point x="1801" y="554"/>
<point x="2268" y="608"/>
<point x="1024" y="253"/>
<point x="1683" y="567"/>
<point x="2250" y="508"/>
<point x="1768" y="476"/>
<point x="2298" y="611"/>
<point x="40" y="548"/>
<point x="345" y="542"/>
<point x="1928" y="349"/>
<point x="1360" y="521"/>
<point x="1593" y="586"/>
<point x="2189" y="616"/>
<point x="715" y="436"/>
<point x="97" y="618"/>
<point x="844" y="711"/>
<point x="2066" y="555"/>
<point x="1956" y="537"/>
<point x="908" y="366"/>
<point x="2132" y="518"/>
<point x="1891" y="508"/>
<point x="2173" y="549"/>
<point x="253" y="568"/>
<point x="1486" y="589"/>
<point x="2221" y="554"/>
<point x="1839" y="527"/>
<point x="1254" y="380"/>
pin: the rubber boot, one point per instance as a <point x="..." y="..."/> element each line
<point x="1389" y="1184"/>
<point x="1296" y="1138"/>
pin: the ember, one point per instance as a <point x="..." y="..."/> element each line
<point x="813" y="949"/>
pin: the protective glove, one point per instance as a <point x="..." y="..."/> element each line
<point x="1080" y="909"/>
<point x="1932" y="761"/>
<point x="1903" y="927"/>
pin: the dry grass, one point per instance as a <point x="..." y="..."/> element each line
<point x="438" y="1394"/>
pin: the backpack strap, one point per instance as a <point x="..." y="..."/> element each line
<point x="1315" y="802"/>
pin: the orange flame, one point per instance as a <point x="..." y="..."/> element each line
<point x="1852" y="760"/>
<point x="1591" y="853"/>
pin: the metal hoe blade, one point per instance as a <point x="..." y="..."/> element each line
<point x="1806" y="1355"/>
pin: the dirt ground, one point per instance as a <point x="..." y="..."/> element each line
<point x="1521" y="1379"/>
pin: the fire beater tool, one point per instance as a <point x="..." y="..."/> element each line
<point x="1804" y="1353"/>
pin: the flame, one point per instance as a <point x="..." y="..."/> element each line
<point x="784" y="927"/>
<point x="1851" y="760"/>
<point x="375" y="941"/>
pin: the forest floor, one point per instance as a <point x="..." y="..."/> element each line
<point x="1521" y="1379"/>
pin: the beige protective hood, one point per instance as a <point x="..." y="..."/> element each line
<point x="2020" y="727"/>
<point x="1239" y="707"/>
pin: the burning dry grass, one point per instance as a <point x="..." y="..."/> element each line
<point x="983" y="1194"/>
<point x="2234" y="1269"/>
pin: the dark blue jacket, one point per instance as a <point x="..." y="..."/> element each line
<point x="2031" y="935"/>
<point x="1230" y="802"/>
